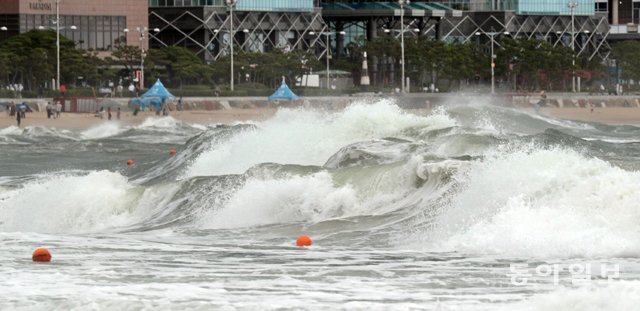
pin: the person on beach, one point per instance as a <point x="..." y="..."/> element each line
<point x="58" y="109"/>
<point x="18" y="118"/>
<point x="23" y="110"/>
<point x="165" y="110"/>
<point x="101" y="113"/>
<point x="541" y="103"/>
<point x="49" y="107"/>
<point x="109" y="113"/>
<point x="118" y="114"/>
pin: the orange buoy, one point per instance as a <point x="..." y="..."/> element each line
<point x="172" y="152"/>
<point x="303" y="240"/>
<point x="41" y="254"/>
<point x="129" y="162"/>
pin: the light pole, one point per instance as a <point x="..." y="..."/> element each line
<point x="57" y="44"/>
<point x="328" y="33"/>
<point x="402" y="3"/>
<point x="57" y="23"/>
<point x="572" y="6"/>
<point x="493" y="57"/>
<point x="142" y="31"/>
<point x="231" y="4"/>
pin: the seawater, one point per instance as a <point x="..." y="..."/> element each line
<point x="468" y="207"/>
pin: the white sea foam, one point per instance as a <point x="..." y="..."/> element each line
<point x="308" y="137"/>
<point x="274" y="201"/>
<point x="68" y="203"/>
<point x="542" y="203"/>
<point x="314" y="198"/>
<point x="105" y="129"/>
<point x="159" y="122"/>
<point x="11" y="130"/>
<point x="623" y="295"/>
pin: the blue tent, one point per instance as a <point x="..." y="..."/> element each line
<point x="283" y="92"/>
<point x="156" y="95"/>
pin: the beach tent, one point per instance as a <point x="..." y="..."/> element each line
<point x="155" y="95"/>
<point x="283" y="92"/>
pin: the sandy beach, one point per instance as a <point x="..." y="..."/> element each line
<point x="87" y="120"/>
<point x="611" y="115"/>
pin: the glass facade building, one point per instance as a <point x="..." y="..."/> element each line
<point x="98" y="26"/>
<point x="275" y="5"/>
<point x="99" y="33"/>
<point x="554" y="7"/>
<point x="242" y="5"/>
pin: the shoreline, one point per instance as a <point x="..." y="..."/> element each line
<point x="81" y="121"/>
<point x="71" y="121"/>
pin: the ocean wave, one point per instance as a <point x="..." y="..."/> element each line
<point x="616" y="295"/>
<point x="68" y="203"/>
<point x="542" y="203"/>
<point x="307" y="137"/>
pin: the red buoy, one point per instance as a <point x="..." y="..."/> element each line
<point x="41" y="255"/>
<point x="303" y="240"/>
<point x="129" y="162"/>
<point x="172" y="152"/>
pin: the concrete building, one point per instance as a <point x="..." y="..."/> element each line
<point x="624" y="17"/>
<point x="99" y="25"/>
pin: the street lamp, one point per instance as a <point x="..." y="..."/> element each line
<point x="328" y="33"/>
<point x="142" y="31"/>
<point x="572" y="6"/>
<point x="57" y="23"/>
<point x="231" y="4"/>
<point x="493" y="56"/>
<point x="402" y="3"/>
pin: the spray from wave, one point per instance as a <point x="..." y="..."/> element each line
<point x="307" y="137"/>
<point x="541" y="203"/>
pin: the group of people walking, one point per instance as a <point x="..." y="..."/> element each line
<point x="109" y="115"/>
<point x="18" y="110"/>
<point x="53" y="111"/>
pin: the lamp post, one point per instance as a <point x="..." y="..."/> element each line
<point x="572" y="6"/>
<point x="231" y="4"/>
<point x="328" y="33"/>
<point x="57" y="25"/>
<point x="402" y="3"/>
<point x="57" y="44"/>
<point x="493" y="57"/>
<point x="142" y="31"/>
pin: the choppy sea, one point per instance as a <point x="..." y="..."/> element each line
<point x="469" y="207"/>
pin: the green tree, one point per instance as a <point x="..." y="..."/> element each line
<point x="626" y="55"/>
<point x="127" y="56"/>
<point x="31" y="59"/>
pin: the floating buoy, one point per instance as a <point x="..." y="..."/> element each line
<point x="303" y="240"/>
<point x="41" y="254"/>
<point x="129" y="162"/>
<point x="172" y="152"/>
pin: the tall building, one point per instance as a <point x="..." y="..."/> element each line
<point x="449" y="20"/>
<point x="205" y="26"/>
<point x="624" y="17"/>
<point x="92" y="25"/>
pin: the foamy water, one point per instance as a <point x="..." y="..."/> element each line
<point x="471" y="207"/>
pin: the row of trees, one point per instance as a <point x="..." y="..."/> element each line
<point x="521" y="63"/>
<point x="29" y="60"/>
